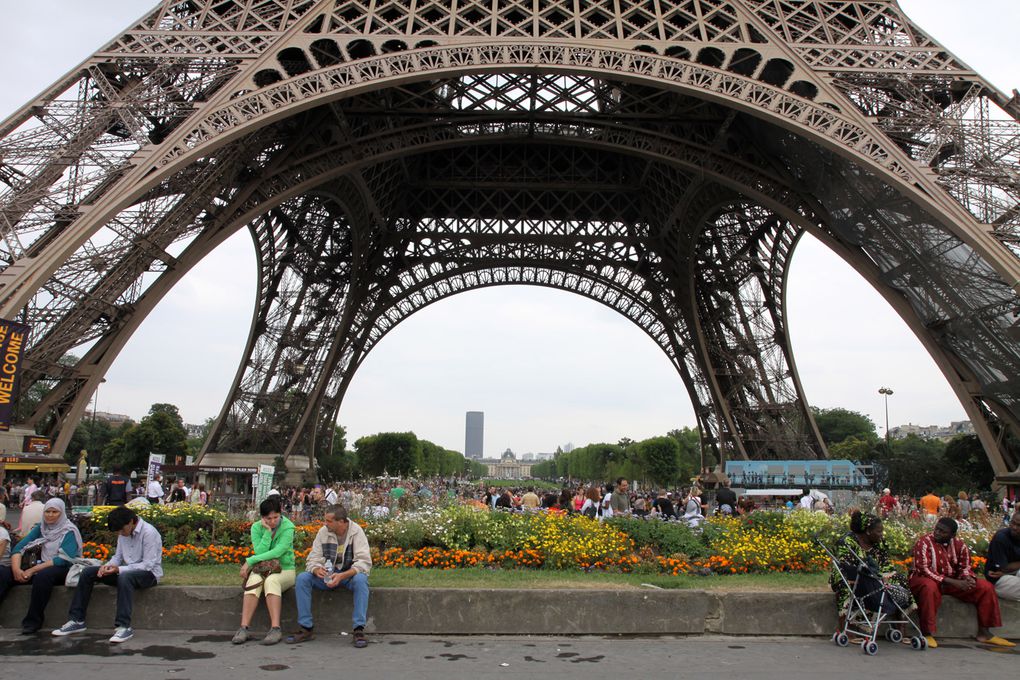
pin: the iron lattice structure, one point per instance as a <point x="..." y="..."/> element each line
<point x="661" y="157"/>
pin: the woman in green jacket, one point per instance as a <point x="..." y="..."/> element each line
<point x="272" y="540"/>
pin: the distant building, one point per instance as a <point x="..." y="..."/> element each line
<point x="508" y="467"/>
<point x="941" y="432"/>
<point x="195" y="430"/>
<point x="114" y="419"/>
<point x="474" y="434"/>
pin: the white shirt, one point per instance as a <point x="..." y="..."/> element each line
<point x="26" y="494"/>
<point x="807" y="502"/>
<point x="607" y="508"/>
<point x="331" y="497"/>
<point x="141" y="551"/>
<point x="154" y="490"/>
<point x="6" y="536"/>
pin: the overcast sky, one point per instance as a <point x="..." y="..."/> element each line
<point x="546" y="367"/>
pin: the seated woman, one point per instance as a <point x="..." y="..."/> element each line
<point x="865" y="540"/>
<point x="272" y="540"/>
<point x="55" y="533"/>
<point x="5" y="544"/>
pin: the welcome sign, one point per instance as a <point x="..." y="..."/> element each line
<point x="13" y="341"/>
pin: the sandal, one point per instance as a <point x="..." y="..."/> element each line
<point x="997" y="641"/>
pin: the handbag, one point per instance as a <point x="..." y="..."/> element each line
<point x="31" y="556"/>
<point x="74" y="573"/>
<point x="264" y="569"/>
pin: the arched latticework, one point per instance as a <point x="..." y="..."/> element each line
<point x="660" y="157"/>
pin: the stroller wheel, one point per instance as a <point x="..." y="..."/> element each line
<point x="893" y="635"/>
<point x="918" y="643"/>
<point x="870" y="648"/>
<point x="841" y="639"/>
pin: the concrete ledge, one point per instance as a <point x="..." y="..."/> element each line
<point x="501" y="612"/>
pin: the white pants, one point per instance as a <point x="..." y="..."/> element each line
<point x="1008" y="588"/>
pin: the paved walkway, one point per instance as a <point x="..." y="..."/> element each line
<point x="192" y="656"/>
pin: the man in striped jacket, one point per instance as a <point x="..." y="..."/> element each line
<point x="942" y="567"/>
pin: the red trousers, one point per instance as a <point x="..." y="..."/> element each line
<point x="928" y="594"/>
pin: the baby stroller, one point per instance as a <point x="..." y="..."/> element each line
<point x="871" y="605"/>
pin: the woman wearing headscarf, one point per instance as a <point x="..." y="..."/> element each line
<point x="54" y="534"/>
<point x="865" y="541"/>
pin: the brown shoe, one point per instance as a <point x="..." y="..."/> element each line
<point x="301" y="635"/>
<point x="359" y="639"/>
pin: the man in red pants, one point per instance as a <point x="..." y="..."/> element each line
<point x="942" y="567"/>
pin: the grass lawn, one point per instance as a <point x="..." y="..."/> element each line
<point x="227" y="575"/>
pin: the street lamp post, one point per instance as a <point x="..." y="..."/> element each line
<point x="885" y="391"/>
<point x="92" y="429"/>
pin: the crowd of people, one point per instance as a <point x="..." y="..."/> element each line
<point x="50" y="546"/>
<point x="50" y="554"/>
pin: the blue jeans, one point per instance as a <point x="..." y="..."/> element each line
<point x="126" y="582"/>
<point x="307" y="582"/>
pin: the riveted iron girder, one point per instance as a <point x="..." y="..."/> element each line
<point x="660" y="157"/>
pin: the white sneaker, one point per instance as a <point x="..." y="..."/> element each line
<point x="122" y="635"/>
<point x="70" y="628"/>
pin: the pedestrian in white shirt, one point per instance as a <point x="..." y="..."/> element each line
<point x="26" y="493"/>
<point x="154" y="490"/>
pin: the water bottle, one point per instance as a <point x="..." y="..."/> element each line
<point x="329" y="572"/>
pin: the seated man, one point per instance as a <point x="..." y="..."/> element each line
<point x="1004" y="560"/>
<point x="138" y="563"/>
<point x="339" y="557"/>
<point x="942" y="566"/>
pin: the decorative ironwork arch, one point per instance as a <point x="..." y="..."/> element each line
<point x="713" y="131"/>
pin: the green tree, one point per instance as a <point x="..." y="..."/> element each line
<point x="689" y="439"/>
<point x="965" y="454"/>
<point x="195" y="443"/>
<point x="855" y="449"/>
<point x="836" y="424"/>
<point x="661" y="458"/>
<point x="160" y="432"/>
<point x="339" y="438"/>
<point x="918" y="465"/>
<point x="395" y="453"/>
<point x="545" y="469"/>
<point x="93" y="436"/>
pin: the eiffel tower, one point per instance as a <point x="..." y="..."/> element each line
<point x="662" y="157"/>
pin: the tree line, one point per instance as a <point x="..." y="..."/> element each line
<point x="910" y="465"/>
<point x="394" y="454"/>
<point x="667" y="460"/>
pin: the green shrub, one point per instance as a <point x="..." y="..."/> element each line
<point x="666" y="538"/>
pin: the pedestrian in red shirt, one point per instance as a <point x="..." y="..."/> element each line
<point x="887" y="503"/>
<point x="942" y="567"/>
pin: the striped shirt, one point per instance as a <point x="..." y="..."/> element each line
<point x="937" y="562"/>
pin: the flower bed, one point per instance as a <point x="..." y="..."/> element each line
<point x="462" y="537"/>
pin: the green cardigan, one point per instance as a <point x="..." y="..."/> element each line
<point x="273" y="545"/>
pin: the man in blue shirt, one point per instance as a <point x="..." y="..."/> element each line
<point x="138" y="563"/>
<point x="1004" y="560"/>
